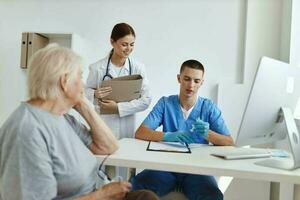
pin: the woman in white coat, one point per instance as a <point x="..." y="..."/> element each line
<point x="116" y="64"/>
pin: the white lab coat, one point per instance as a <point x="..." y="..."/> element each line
<point x="122" y="124"/>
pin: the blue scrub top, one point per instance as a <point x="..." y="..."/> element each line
<point x="167" y="112"/>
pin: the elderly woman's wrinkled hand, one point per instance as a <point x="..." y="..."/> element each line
<point x="84" y="104"/>
<point x="114" y="190"/>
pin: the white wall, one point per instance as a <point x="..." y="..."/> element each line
<point x="295" y="55"/>
<point x="263" y="34"/>
<point x="263" y="37"/>
<point x="167" y="34"/>
<point x="295" y="34"/>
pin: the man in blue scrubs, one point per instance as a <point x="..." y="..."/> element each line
<point x="185" y="118"/>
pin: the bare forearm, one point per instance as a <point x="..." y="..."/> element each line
<point x="115" y="190"/>
<point x="218" y="139"/>
<point x="91" y="196"/>
<point x="99" y="194"/>
<point x="144" y="133"/>
<point x="104" y="142"/>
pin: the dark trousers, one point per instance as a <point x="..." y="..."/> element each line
<point x="194" y="187"/>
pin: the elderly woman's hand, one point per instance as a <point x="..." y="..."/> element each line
<point x="108" y="105"/>
<point x="114" y="191"/>
<point x="83" y="105"/>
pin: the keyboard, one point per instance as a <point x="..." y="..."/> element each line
<point x="242" y="153"/>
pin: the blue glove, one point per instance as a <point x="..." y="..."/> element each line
<point x="200" y="128"/>
<point x="178" y="136"/>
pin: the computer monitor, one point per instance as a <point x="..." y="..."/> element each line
<point x="268" y="116"/>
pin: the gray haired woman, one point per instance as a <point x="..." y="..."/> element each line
<point x="46" y="153"/>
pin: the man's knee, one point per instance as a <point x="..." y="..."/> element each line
<point x="143" y="180"/>
<point x="137" y="183"/>
<point x="159" y="182"/>
<point x="201" y="187"/>
<point x="218" y="195"/>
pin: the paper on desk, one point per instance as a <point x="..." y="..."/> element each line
<point x="168" y="146"/>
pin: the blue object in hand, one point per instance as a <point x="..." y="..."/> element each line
<point x="178" y="136"/>
<point x="200" y="128"/>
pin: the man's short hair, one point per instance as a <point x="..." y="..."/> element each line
<point x="194" y="64"/>
<point x="45" y="69"/>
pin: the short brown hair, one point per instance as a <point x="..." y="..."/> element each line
<point x="195" y="64"/>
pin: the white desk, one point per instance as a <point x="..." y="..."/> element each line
<point x="132" y="153"/>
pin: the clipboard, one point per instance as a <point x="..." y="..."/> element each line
<point x="124" y="89"/>
<point x="173" y="147"/>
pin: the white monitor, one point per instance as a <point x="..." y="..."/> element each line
<point x="268" y="116"/>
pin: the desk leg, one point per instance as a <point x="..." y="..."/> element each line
<point x="286" y="191"/>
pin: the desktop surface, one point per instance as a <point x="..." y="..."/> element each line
<point x="132" y="153"/>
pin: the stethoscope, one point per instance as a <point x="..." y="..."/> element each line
<point x="107" y="75"/>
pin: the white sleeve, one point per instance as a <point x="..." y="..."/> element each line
<point x="91" y="84"/>
<point x="140" y="104"/>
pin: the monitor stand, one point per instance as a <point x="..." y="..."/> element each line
<point x="286" y="115"/>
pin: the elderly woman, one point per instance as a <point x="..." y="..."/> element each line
<point x="44" y="152"/>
